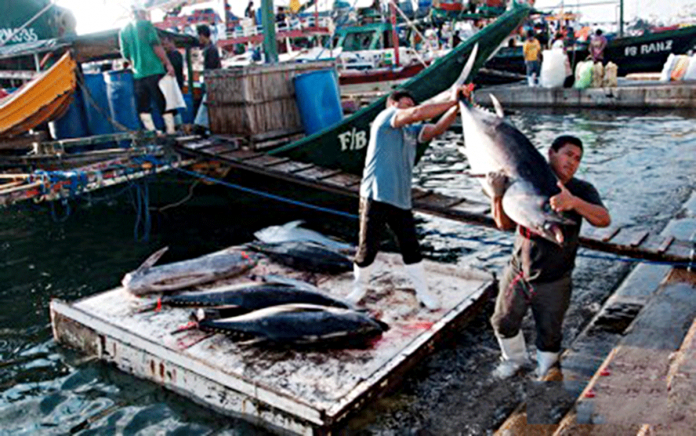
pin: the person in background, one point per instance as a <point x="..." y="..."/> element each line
<point x="532" y="58"/>
<point x="597" y="45"/>
<point x="456" y="39"/>
<point x="539" y="273"/>
<point x="177" y="61"/>
<point x="141" y="46"/>
<point x="211" y="56"/>
<point x="249" y="11"/>
<point x="211" y="61"/>
<point x="385" y="190"/>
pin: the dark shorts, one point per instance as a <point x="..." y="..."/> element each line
<point x="147" y="91"/>
<point x="533" y="67"/>
<point x="549" y="302"/>
<point x="373" y="217"/>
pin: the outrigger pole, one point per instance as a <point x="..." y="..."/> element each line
<point x="269" y="34"/>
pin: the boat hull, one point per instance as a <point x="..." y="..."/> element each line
<point x="636" y="54"/>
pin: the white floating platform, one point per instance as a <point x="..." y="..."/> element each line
<point x="288" y="391"/>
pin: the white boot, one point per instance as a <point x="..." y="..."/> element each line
<point x="169" y="124"/>
<point x="361" y="278"/>
<point x="416" y="273"/>
<point x="545" y="361"/>
<point x="514" y="356"/>
<point x="146" y="119"/>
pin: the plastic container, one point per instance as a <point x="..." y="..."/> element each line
<point x="72" y="123"/>
<point x="583" y="75"/>
<point x="553" y="69"/>
<point x="97" y="117"/>
<point x="121" y="96"/>
<point x="318" y="99"/>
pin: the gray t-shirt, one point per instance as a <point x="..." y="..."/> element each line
<point x="391" y="155"/>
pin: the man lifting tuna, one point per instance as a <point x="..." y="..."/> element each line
<point x="385" y="190"/>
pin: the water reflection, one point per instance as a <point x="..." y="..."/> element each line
<point x="641" y="163"/>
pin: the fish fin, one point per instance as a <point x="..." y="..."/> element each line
<point x="293" y="224"/>
<point x="467" y="67"/>
<point x="150" y="261"/>
<point x="498" y="107"/>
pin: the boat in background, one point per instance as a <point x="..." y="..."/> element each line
<point x="632" y="54"/>
<point x="44" y="98"/>
<point x="343" y="145"/>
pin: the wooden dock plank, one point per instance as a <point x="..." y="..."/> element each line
<point x="317" y="173"/>
<point x="291" y="167"/>
<point x="265" y="160"/>
<point x="242" y="155"/>
<point x="343" y="180"/>
<point x="299" y="391"/>
<point x="636" y="243"/>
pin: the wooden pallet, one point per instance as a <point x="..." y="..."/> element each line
<point x="288" y="390"/>
<point x="625" y="241"/>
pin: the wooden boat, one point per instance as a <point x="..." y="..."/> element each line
<point x="44" y="98"/>
<point x="343" y="146"/>
<point x="632" y="54"/>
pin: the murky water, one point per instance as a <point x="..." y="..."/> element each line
<point x="642" y="164"/>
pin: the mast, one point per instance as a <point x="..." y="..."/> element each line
<point x="395" y="36"/>
<point x="269" y="32"/>
<point x="621" y="20"/>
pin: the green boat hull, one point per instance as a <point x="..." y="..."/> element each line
<point x="343" y="145"/>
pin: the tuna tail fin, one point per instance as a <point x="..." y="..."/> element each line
<point x="498" y="107"/>
<point x="150" y="261"/>
<point x="293" y="224"/>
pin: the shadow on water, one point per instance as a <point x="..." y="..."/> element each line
<point x="642" y="164"/>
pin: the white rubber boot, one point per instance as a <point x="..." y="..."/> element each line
<point x="514" y="356"/>
<point x="361" y="278"/>
<point x="416" y="273"/>
<point x="546" y="361"/>
<point x="146" y="119"/>
<point x="169" y="123"/>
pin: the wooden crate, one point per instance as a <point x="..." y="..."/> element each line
<point x="257" y="100"/>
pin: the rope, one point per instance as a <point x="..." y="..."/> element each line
<point x="143" y="221"/>
<point x="152" y="159"/>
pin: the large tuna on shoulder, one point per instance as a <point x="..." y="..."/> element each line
<point x="494" y="145"/>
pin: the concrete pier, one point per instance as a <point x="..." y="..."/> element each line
<point x="628" y="95"/>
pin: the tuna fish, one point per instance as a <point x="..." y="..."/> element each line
<point x="494" y="145"/>
<point x="301" y="324"/>
<point x="293" y="232"/>
<point x="305" y="256"/>
<point x="180" y="275"/>
<point x="246" y="297"/>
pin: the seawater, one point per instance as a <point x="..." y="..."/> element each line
<point x="642" y="164"/>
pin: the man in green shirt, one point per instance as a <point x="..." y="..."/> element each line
<point x="142" y="47"/>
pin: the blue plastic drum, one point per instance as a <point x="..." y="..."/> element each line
<point x="72" y="124"/>
<point x="318" y="99"/>
<point x="121" y="96"/>
<point x="97" y="121"/>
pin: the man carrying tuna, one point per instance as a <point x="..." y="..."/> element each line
<point x="385" y="190"/>
<point x="539" y="273"/>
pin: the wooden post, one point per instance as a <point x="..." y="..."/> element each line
<point x="189" y="69"/>
<point x="269" y="32"/>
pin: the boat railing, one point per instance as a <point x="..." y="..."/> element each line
<point x="247" y="27"/>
